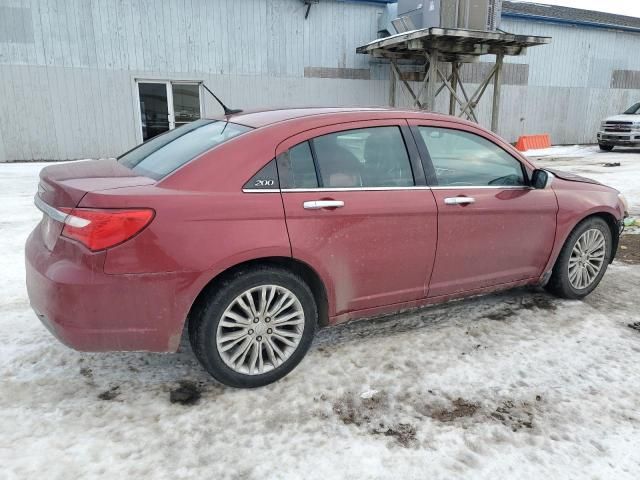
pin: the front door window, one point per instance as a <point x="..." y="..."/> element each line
<point x="463" y="159"/>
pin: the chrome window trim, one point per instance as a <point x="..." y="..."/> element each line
<point x="383" y="189"/>
<point x="484" y="187"/>
<point x="352" y="189"/>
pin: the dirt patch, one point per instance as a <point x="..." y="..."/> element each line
<point x="359" y="411"/>
<point x="372" y="414"/>
<point x="515" y="416"/>
<point x="403" y="433"/>
<point x="399" y="418"/>
<point x="629" y="249"/>
<point x="501" y="315"/>
<point x="188" y="393"/>
<point x="635" y="326"/>
<point x="461" y="408"/>
<point x="527" y="302"/>
<point x="87" y="373"/>
<point x="110" y="394"/>
<point x="539" y="302"/>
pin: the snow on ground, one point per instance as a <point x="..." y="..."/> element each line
<point x="514" y="385"/>
<point x="589" y="161"/>
<point x="563" y="151"/>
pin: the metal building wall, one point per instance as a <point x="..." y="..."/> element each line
<point x="67" y="79"/>
<point x="571" y="85"/>
<point x="68" y="68"/>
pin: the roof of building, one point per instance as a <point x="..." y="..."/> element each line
<point x="576" y="16"/>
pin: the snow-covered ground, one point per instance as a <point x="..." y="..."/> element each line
<point x="515" y="385"/>
<point x="589" y="161"/>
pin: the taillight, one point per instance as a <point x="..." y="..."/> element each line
<point x="100" y="229"/>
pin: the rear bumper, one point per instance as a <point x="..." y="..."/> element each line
<point x="631" y="139"/>
<point x="89" y="310"/>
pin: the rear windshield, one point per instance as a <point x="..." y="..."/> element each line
<point x="161" y="155"/>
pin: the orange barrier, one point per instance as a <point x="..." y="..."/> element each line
<point x="529" y="142"/>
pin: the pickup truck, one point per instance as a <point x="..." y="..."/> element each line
<point x="621" y="130"/>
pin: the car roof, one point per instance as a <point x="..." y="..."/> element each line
<point x="262" y="118"/>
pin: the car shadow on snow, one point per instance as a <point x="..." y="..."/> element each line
<point x="498" y="306"/>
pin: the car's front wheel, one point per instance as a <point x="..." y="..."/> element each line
<point x="606" y="148"/>
<point x="254" y="327"/>
<point x="582" y="260"/>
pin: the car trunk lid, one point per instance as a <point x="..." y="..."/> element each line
<point x="62" y="186"/>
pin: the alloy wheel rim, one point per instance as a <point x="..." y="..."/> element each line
<point x="587" y="258"/>
<point x="260" y="329"/>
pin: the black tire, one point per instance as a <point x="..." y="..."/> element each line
<point x="207" y="314"/>
<point x="559" y="283"/>
<point x="606" y="148"/>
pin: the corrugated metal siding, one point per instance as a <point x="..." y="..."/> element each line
<point x="69" y="92"/>
<point x="67" y="78"/>
<point x="570" y="81"/>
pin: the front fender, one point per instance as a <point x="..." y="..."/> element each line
<point x="576" y="202"/>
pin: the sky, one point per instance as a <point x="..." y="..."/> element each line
<point x="621" y="7"/>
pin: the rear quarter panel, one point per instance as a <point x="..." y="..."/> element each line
<point x="204" y="223"/>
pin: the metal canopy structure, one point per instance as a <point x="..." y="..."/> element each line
<point x="435" y="48"/>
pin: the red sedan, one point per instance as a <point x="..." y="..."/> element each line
<point x="256" y="229"/>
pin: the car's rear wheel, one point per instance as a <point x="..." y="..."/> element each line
<point x="254" y="327"/>
<point x="583" y="260"/>
<point x="606" y="148"/>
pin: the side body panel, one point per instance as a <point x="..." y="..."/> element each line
<point x="376" y="250"/>
<point x="505" y="235"/>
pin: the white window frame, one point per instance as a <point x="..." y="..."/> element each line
<point x="168" y="85"/>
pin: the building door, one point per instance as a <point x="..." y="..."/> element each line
<point x="165" y="105"/>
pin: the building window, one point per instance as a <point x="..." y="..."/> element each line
<point x="166" y="105"/>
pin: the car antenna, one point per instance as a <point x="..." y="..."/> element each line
<point x="227" y="111"/>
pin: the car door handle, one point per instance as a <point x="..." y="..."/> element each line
<point x="318" y="204"/>
<point x="459" y="200"/>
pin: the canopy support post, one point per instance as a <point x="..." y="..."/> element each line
<point x="497" y="83"/>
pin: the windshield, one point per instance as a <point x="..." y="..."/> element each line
<point x="635" y="109"/>
<point x="163" y="154"/>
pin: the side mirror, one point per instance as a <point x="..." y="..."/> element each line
<point x="541" y="179"/>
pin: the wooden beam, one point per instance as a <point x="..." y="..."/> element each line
<point x="477" y="95"/>
<point x="404" y="82"/>
<point x="453" y="96"/>
<point x="398" y="55"/>
<point x="430" y="102"/>
<point x="470" y="115"/>
<point x="392" y="87"/>
<point x="497" y="83"/>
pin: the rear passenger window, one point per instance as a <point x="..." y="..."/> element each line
<point x="367" y="157"/>
<point x="296" y="168"/>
